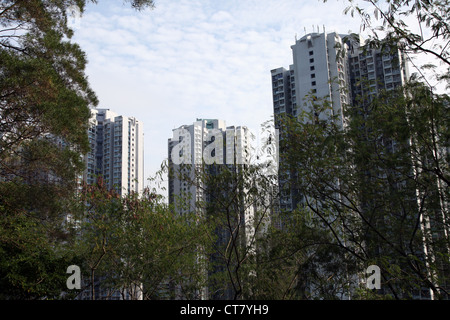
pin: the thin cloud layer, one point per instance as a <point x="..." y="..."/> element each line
<point x="195" y="59"/>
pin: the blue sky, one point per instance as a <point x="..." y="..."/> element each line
<point x="189" y="59"/>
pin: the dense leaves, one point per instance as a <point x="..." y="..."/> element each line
<point x="134" y="245"/>
<point x="45" y="102"/>
<point x="374" y="191"/>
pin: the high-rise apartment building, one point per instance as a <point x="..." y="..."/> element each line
<point x="205" y="148"/>
<point x="192" y="139"/>
<point x="117" y="156"/>
<point x="341" y="70"/>
<point x="117" y="151"/>
<point x="338" y="69"/>
<point x="319" y="70"/>
<point x="335" y="67"/>
<point x="372" y="70"/>
<point x="206" y="141"/>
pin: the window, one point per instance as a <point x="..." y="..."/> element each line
<point x="313" y="83"/>
<point x="312" y="68"/>
<point x="311" y="53"/>
<point x="311" y="60"/>
<point x="313" y="75"/>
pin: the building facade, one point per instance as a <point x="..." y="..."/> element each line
<point x="117" y="156"/>
<point x="338" y="70"/>
<point x="343" y="71"/>
<point x="198" y="152"/>
<point x="319" y="70"/>
<point x="117" y="151"/>
<point x="205" y="142"/>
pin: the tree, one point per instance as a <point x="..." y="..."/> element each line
<point x="159" y="250"/>
<point x="420" y="26"/>
<point x="32" y="264"/>
<point x="134" y="246"/>
<point x="232" y="204"/>
<point x="44" y="111"/>
<point x="45" y="95"/>
<point x="239" y="202"/>
<point x="377" y="190"/>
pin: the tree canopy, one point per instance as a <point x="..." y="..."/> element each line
<point x="45" y="101"/>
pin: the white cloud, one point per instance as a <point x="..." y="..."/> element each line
<point x="189" y="59"/>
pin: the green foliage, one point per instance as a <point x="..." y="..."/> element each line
<point x="369" y="187"/>
<point x="420" y="27"/>
<point x="135" y="243"/>
<point x="391" y="16"/>
<point x="233" y="205"/>
<point x="374" y="191"/>
<point x="44" y="110"/>
<point x="34" y="255"/>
